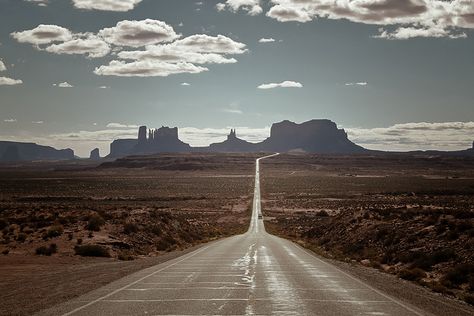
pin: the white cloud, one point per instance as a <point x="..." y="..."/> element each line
<point x="252" y="7"/>
<point x="266" y="40"/>
<point x="233" y="111"/>
<point x="362" y="83"/>
<point x="185" y="84"/>
<point x="5" y="81"/>
<point x="10" y="120"/>
<point x="284" y="84"/>
<point x="415" y="136"/>
<point x="201" y="43"/>
<point x="104" y="87"/>
<point x="41" y="3"/>
<point x="82" y="44"/>
<point x="121" y="125"/>
<point x="37" y="122"/>
<point x="64" y="84"/>
<point x="43" y="34"/>
<point x="106" y="5"/>
<point x="174" y="54"/>
<point x="2" y="66"/>
<point x="146" y="68"/>
<point x="412" y="18"/>
<point x="139" y="33"/>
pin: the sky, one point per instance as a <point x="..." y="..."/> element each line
<point x="396" y="74"/>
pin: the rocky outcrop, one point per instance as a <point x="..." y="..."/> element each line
<point x="233" y="144"/>
<point x="122" y="147"/>
<point x="95" y="154"/>
<point x="316" y="136"/>
<point x="15" y="151"/>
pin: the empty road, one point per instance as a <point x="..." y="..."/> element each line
<point x="251" y="274"/>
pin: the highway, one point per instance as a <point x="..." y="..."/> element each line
<point x="251" y="274"/>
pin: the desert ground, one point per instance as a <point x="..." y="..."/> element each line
<point x="88" y="224"/>
<point x="411" y="216"/>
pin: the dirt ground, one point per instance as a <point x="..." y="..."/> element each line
<point x="412" y="216"/>
<point x="88" y="224"/>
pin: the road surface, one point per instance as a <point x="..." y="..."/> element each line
<point x="251" y="274"/>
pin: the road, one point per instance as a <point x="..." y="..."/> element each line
<point x="251" y="274"/>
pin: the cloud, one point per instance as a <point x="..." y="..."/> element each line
<point x="5" y="81"/>
<point x="139" y="33"/>
<point x="82" y="44"/>
<point x="106" y="5"/>
<point x="43" y="34"/>
<point x="121" y="125"/>
<point x="181" y="56"/>
<point x="40" y="3"/>
<point x="164" y="52"/>
<point x="10" y="120"/>
<point x="37" y="122"/>
<point x="146" y="68"/>
<point x="284" y="84"/>
<point x="266" y="40"/>
<point x="415" y="136"/>
<point x="2" y="66"/>
<point x="403" y="19"/>
<point x="104" y="87"/>
<point x="185" y="84"/>
<point x="252" y="7"/>
<point x="233" y="111"/>
<point x="64" y="84"/>
<point x="362" y="83"/>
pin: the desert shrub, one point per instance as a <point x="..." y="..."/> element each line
<point x="468" y="298"/>
<point x="155" y="230"/>
<point x="21" y="237"/>
<point x="458" y="275"/>
<point x="53" y="231"/>
<point x="125" y="256"/>
<point x="414" y="274"/>
<point x="322" y="213"/>
<point x="91" y="251"/>
<point x="165" y="243"/>
<point x="79" y="241"/>
<point x="453" y="235"/>
<point x="130" y="228"/>
<point x="3" y="223"/>
<point x="46" y="251"/>
<point x="5" y="252"/>
<point x="95" y="222"/>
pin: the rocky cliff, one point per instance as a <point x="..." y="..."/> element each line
<point x="15" y="151"/>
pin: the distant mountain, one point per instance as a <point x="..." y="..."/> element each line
<point x="316" y="136"/>
<point x="15" y="151"/>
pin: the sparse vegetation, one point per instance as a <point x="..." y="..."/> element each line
<point x="91" y="251"/>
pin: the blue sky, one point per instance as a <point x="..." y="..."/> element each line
<point x="397" y="74"/>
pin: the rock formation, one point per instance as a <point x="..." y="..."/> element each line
<point x="95" y="154"/>
<point x="316" y="136"/>
<point x="15" y="151"/>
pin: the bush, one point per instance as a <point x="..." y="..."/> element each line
<point x="458" y="275"/>
<point x="21" y="237"/>
<point x="468" y="298"/>
<point x="54" y="231"/>
<point x="415" y="274"/>
<point x="130" y="228"/>
<point x="125" y="256"/>
<point x="46" y="251"/>
<point x="95" y="222"/>
<point x="5" y="252"/>
<point x="3" y="223"/>
<point x="91" y="251"/>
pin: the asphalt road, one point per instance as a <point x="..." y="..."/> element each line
<point x="251" y="274"/>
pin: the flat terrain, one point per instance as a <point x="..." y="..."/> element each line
<point x="405" y="215"/>
<point x="138" y="209"/>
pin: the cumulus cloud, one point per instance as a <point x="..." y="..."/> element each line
<point x="64" y="84"/>
<point x="266" y="40"/>
<point x="82" y="44"/>
<point x="403" y="19"/>
<point x="5" y="81"/>
<point x="362" y="83"/>
<point x="139" y="33"/>
<point x="43" y="34"/>
<point x="2" y="66"/>
<point x="106" y="5"/>
<point x="284" y="84"/>
<point x="146" y="68"/>
<point x="121" y="125"/>
<point x="10" y="120"/>
<point x="415" y="136"/>
<point x="252" y="7"/>
<point x="164" y="52"/>
<point x="41" y="3"/>
<point x="185" y="84"/>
